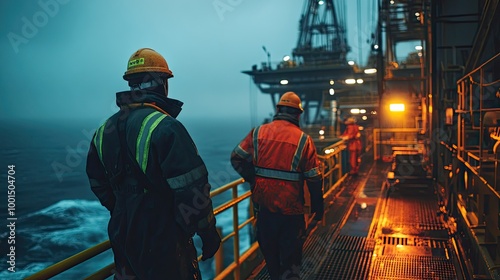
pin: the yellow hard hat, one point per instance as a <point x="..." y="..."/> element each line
<point x="147" y="61"/>
<point x="290" y="99"/>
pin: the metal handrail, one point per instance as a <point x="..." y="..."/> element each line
<point x="70" y="262"/>
<point x="378" y="142"/>
<point x="332" y="161"/>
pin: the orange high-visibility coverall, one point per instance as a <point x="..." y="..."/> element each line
<point x="352" y="136"/>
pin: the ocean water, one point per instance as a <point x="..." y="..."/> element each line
<point x="57" y="215"/>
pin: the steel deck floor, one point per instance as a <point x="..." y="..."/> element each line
<point x="370" y="233"/>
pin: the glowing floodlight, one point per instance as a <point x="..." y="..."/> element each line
<point x="350" y="81"/>
<point x="397" y="107"/>
<point x="350" y="62"/>
<point x="286" y="58"/>
<point x="355" y="111"/>
<point x="332" y="91"/>
<point x="370" y="71"/>
<point x="284" y="82"/>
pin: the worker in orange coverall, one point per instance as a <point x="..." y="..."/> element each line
<point x="276" y="159"/>
<point x="352" y="136"/>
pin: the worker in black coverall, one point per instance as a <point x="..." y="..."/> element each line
<point x="145" y="169"/>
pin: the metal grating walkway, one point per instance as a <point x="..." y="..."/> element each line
<point x="406" y="239"/>
<point x="412" y="267"/>
<point x="349" y="258"/>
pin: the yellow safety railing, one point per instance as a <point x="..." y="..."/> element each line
<point x="386" y="138"/>
<point x="331" y="163"/>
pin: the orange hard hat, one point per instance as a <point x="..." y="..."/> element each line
<point x="147" y="61"/>
<point x="290" y="99"/>
<point x="350" y="120"/>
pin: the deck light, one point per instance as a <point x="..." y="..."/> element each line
<point x="350" y="81"/>
<point x="418" y="48"/>
<point x="332" y="91"/>
<point x="370" y="71"/>
<point x="359" y="81"/>
<point x="397" y="107"/>
<point x="332" y="82"/>
<point x="355" y="111"/>
<point x="321" y="2"/>
<point x="362" y="111"/>
<point x="286" y="58"/>
<point x="350" y="62"/>
<point x="284" y="82"/>
<point x="364" y="118"/>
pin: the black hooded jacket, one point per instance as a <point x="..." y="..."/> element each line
<point x="145" y="169"/>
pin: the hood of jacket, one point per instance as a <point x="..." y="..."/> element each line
<point x="172" y="106"/>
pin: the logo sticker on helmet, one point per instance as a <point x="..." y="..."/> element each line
<point x="135" y="62"/>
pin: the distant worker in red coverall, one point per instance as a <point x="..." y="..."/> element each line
<point x="276" y="158"/>
<point x="352" y="136"/>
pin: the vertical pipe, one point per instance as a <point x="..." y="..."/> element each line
<point x="236" y="239"/>
<point x="380" y="70"/>
<point x="219" y="256"/>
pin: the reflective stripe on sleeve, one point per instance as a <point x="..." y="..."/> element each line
<point x="144" y="138"/>
<point x="277" y="174"/>
<point x="187" y="179"/>
<point x="98" y="140"/>
<point x="298" y="152"/>
<point x="242" y="153"/>
<point x="312" y="173"/>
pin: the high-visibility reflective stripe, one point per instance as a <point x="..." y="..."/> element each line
<point x="312" y="173"/>
<point x="242" y="153"/>
<point x="188" y="178"/>
<point x="277" y="174"/>
<point x="144" y="138"/>
<point x="98" y="139"/>
<point x="255" y="142"/>
<point x="298" y="152"/>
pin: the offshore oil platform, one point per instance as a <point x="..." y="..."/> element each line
<point x="426" y="204"/>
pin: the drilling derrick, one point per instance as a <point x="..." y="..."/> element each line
<point x="321" y="37"/>
<point x="318" y="71"/>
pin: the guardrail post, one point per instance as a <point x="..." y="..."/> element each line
<point x="219" y="256"/>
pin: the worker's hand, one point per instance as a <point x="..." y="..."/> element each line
<point x="211" y="242"/>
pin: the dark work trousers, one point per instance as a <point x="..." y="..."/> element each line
<point x="280" y="240"/>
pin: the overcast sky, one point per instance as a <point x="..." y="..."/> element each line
<point x="66" y="58"/>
